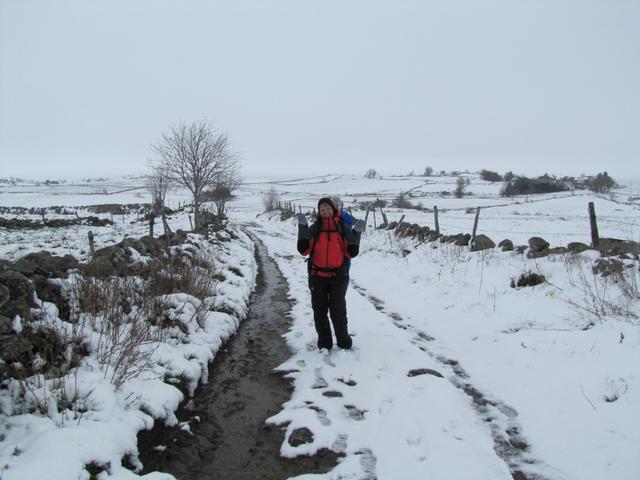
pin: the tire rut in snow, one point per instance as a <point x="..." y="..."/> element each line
<point x="228" y="436"/>
<point x="508" y="443"/>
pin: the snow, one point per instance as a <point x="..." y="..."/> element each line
<point x="60" y="443"/>
<point x="450" y="363"/>
<point x="548" y="366"/>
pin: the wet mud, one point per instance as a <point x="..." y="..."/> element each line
<point x="227" y="437"/>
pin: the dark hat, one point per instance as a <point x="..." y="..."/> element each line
<point x="329" y="202"/>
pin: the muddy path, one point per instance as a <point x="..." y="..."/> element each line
<point x="228" y="437"/>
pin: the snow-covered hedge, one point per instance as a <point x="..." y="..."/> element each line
<point x="132" y="347"/>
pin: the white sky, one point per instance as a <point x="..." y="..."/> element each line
<point x="316" y="87"/>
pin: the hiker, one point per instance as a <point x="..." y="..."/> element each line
<point x="330" y="244"/>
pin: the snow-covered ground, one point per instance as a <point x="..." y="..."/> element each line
<point x="454" y="375"/>
<point x="526" y="351"/>
<point x="92" y="415"/>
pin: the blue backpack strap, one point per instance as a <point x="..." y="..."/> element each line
<point x="346" y="218"/>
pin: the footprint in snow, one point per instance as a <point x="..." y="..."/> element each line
<point x="320" y="382"/>
<point x="348" y="381"/>
<point x="355" y="413"/>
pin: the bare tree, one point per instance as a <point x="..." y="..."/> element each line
<point x="371" y="173"/>
<point x="461" y="184"/>
<point x="223" y="189"/>
<point x="197" y="157"/>
<point x="271" y="199"/>
<point x="158" y="184"/>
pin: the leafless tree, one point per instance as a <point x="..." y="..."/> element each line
<point x="271" y="199"/>
<point x="371" y="173"/>
<point x="197" y="157"/>
<point x="223" y="189"/>
<point x="158" y="184"/>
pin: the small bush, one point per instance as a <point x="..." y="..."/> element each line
<point x="401" y="202"/>
<point x="490" y="176"/>
<point x="528" y="280"/>
<point x="376" y="204"/>
<point x="528" y="186"/>
<point x="461" y="184"/>
<point x="270" y="200"/>
<point x="601" y="183"/>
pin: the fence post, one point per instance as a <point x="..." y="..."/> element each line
<point x="384" y="217"/>
<point x="475" y="226"/>
<point x="152" y="219"/>
<point x="435" y="218"/>
<point x="366" y="215"/>
<point x="374" y="219"/>
<point x="92" y="245"/>
<point x="595" y="239"/>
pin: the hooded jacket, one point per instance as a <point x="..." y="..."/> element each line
<point x="329" y="242"/>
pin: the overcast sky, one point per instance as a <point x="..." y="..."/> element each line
<point x="323" y="87"/>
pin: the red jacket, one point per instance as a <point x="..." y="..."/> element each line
<point x="328" y="246"/>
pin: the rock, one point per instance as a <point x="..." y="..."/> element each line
<point x="135" y="244"/>
<point x="6" y="326"/>
<point x="424" y="233"/>
<point x="520" y="249"/>
<point x="558" y="250"/>
<point x="27" y="268"/>
<point x="577" y="247"/>
<point x="151" y="245"/>
<point x="506" y="245"/>
<point x="392" y="226"/>
<point x="482" y="242"/>
<point x="300" y="436"/>
<point x="4" y="295"/>
<point x="615" y="246"/>
<point x="50" y="265"/>
<point x="538" y="244"/>
<point x="20" y="299"/>
<point x="463" y="240"/>
<point x="537" y="253"/>
<point x="402" y="228"/>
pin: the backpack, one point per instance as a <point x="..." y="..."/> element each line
<point x="347" y="219"/>
<point x="328" y="255"/>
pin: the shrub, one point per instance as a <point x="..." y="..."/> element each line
<point x="371" y="173"/>
<point x="375" y="204"/>
<point x="601" y="183"/>
<point x="461" y="184"/>
<point x="270" y="200"/>
<point x="401" y="202"/>
<point x="527" y="186"/>
<point x="490" y="176"/>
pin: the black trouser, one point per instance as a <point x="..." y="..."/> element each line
<point x="328" y="295"/>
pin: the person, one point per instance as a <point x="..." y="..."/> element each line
<point x="330" y="244"/>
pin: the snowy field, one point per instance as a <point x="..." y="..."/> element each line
<point x="454" y="375"/>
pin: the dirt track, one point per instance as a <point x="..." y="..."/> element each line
<point x="229" y="439"/>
